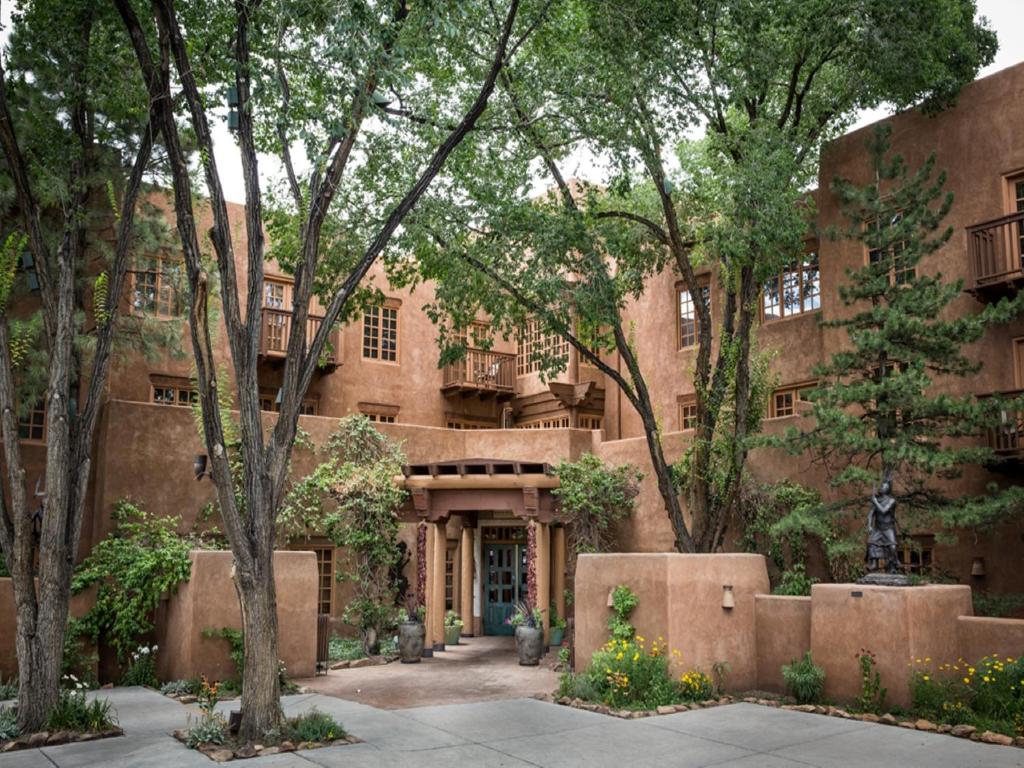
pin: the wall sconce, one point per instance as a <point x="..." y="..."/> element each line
<point x="199" y="467"/>
<point x="728" y="598"/>
<point x="978" y="567"/>
<point x="611" y="598"/>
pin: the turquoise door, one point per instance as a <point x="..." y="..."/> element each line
<point x="505" y="580"/>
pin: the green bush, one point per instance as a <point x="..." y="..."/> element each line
<point x="142" y="668"/>
<point x="988" y="694"/>
<point x="805" y="681"/>
<point x="8" y="724"/>
<point x="629" y="676"/>
<point x="74" y="713"/>
<point x="180" y="688"/>
<point x="996" y="606"/>
<point x="578" y="686"/>
<point x="872" y="694"/>
<point x="8" y="690"/>
<point x="211" y="729"/>
<point x="694" y="685"/>
<point x="795" y="582"/>
<point x="624" y="602"/>
<point x="314" y="726"/>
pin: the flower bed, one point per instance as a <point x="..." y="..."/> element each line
<point x="72" y="719"/>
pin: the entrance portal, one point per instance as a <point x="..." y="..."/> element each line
<point x="505" y="563"/>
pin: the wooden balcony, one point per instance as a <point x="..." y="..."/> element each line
<point x="995" y="250"/>
<point x="1006" y="439"/>
<point x="481" y="373"/>
<point x="274" y="335"/>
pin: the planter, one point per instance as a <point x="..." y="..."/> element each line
<point x="410" y="641"/>
<point x="529" y="645"/>
<point x="556" y="634"/>
<point x="452" y="634"/>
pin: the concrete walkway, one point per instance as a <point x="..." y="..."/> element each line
<point x="527" y="732"/>
<point x="478" y="669"/>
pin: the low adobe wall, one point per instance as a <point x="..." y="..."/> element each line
<point x="80" y="605"/>
<point x="783" y="626"/>
<point x="981" y="636"/>
<point x="208" y="600"/>
<point x="680" y="599"/>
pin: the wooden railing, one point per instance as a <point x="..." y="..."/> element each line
<point x="995" y="250"/>
<point x="1007" y="437"/>
<point x="275" y="329"/>
<point x="482" y="371"/>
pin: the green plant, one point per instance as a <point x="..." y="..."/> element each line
<point x="207" y="696"/>
<point x="795" y="582"/>
<point x="78" y="660"/>
<point x="74" y="713"/>
<point x="720" y="671"/>
<point x="345" y="648"/>
<point x="211" y="729"/>
<point x="624" y="602"/>
<point x="996" y="606"/>
<point x="525" y="615"/>
<point x="631" y="676"/>
<point x="872" y="694"/>
<point x="8" y="690"/>
<point x="579" y="686"/>
<point x="142" y="667"/>
<point x="314" y="726"/>
<point x="143" y="558"/>
<point x="236" y="643"/>
<point x="694" y="685"/>
<point x="8" y="724"/>
<point x="563" y="656"/>
<point x="451" y="619"/>
<point x="804" y="680"/>
<point x="179" y="688"/>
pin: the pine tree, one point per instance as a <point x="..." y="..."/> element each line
<point x="883" y="404"/>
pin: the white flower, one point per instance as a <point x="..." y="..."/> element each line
<point x="143" y="649"/>
<point x="72" y="677"/>
<point x="155" y="647"/>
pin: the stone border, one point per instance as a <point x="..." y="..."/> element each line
<point x="221" y="753"/>
<point x="365" y="661"/>
<point x="960" y="731"/>
<point x="47" y="739"/>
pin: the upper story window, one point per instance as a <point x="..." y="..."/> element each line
<point x="687" y="413"/>
<point x="795" y="291"/>
<point x="155" y="287"/>
<point x="688" y="327"/>
<point x="274" y="294"/>
<point x="785" y="401"/>
<point x="379" y="413"/>
<point x="173" y="392"/>
<point x="32" y="425"/>
<point x="558" y="422"/>
<point x="309" y="406"/>
<point x="534" y="346"/>
<point x="462" y="422"/>
<point x="892" y="257"/>
<point x="589" y="421"/>
<point x="380" y="333"/>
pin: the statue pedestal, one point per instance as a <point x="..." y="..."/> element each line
<point x="882" y="579"/>
<point x="896" y="623"/>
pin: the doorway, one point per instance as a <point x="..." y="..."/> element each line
<point x="505" y="576"/>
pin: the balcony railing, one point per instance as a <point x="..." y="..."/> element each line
<point x="275" y="330"/>
<point x="481" y="372"/>
<point x="996" y="253"/>
<point x="1006" y="439"/>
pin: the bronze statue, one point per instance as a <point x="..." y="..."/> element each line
<point x="882" y="529"/>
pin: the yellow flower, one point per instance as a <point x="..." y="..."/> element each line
<point x="927" y="659"/>
<point x="618" y="656"/>
<point x="926" y="678"/>
<point x="967" y="680"/>
<point x="636" y="656"/>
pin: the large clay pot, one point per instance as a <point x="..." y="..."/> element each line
<point x="529" y="645"/>
<point x="452" y="634"/>
<point x="410" y="641"/>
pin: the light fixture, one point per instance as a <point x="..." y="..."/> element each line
<point x="728" y="599"/>
<point x="199" y="467"/>
<point x="611" y="597"/>
<point x="279" y="397"/>
<point x="978" y="567"/>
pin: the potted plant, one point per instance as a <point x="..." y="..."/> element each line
<point x="556" y="633"/>
<point x="411" y="633"/>
<point x="529" y="634"/>
<point x="452" y="628"/>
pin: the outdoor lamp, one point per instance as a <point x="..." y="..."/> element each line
<point x="978" y="567"/>
<point x="728" y="599"/>
<point x="199" y="466"/>
<point x="37" y="523"/>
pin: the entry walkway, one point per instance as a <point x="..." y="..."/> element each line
<point x="526" y="732"/>
<point x="478" y="669"/>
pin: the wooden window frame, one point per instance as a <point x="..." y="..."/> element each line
<point x="532" y="340"/>
<point x="1018" y="362"/>
<point x="591" y="421"/>
<point x="376" y="320"/>
<point x="455" y="421"/>
<point x="797" y="275"/>
<point x="379" y="413"/>
<point x="180" y="386"/>
<point x="29" y="423"/>
<point x="688" y="338"/>
<point x="687" y="410"/>
<point x="546" y="422"/>
<point x="924" y="552"/>
<point x="795" y="393"/>
<point x="896" y="273"/>
<point x="325" y="555"/>
<point x="156" y="266"/>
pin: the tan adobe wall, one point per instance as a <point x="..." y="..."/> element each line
<point x="980" y="636"/>
<point x="783" y="634"/>
<point x="80" y="605"/>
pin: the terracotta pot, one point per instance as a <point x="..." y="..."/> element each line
<point x="529" y="645"/>
<point x="410" y="641"/>
<point x="452" y="635"/>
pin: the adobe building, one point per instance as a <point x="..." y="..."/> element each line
<point x="480" y="435"/>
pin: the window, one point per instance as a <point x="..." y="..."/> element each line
<point x="785" y="401"/>
<point x="380" y="333"/>
<point x="1017" y="193"/>
<point x="795" y="291"/>
<point x="32" y="425"/>
<point x="325" y="578"/>
<point x="590" y="421"/>
<point x="558" y="422"/>
<point x="173" y="392"/>
<point x="380" y="418"/>
<point x="459" y="422"/>
<point x="535" y="347"/>
<point x="310" y="406"/>
<point x="449" y="576"/>
<point x="379" y="413"/>
<point x="274" y="295"/>
<point x="917" y="555"/>
<point x="155" y="287"/>
<point x="891" y="257"/>
<point x="1018" y="362"/>
<point x="688" y="327"/>
<point x="687" y="413"/>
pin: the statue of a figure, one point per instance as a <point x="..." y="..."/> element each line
<point x="882" y="529"/>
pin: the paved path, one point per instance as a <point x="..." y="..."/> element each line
<point x="478" y="669"/>
<point x="526" y="732"/>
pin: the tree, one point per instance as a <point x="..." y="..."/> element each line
<point x="768" y="82"/>
<point x="76" y="142"/>
<point x="883" y="405"/>
<point x="378" y="95"/>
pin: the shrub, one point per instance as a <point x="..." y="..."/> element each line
<point x="624" y="602"/>
<point x="314" y="726"/>
<point x="8" y="690"/>
<point x="578" y="686"/>
<point x="179" y="688"/>
<point x="795" y="582"/>
<point x="74" y="713"/>
<point x="805" y="681"/>
<point x="694" y="685"/>
<point x="988" y="694"/>
<point x="452" y="619"/>
<point x="629" y="676"/>
<point x="8" y="724"/>
<point x="142" y="668"/>
<point x="211" y="729"/>
<point x="872" y="694"/>
<point x="526" y="615"/>
<point x="996" y="606"/>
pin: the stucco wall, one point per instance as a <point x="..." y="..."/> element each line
<point x="208" y="600"/>
<point x="981" y="636"/>
<point x="783" y="626"/>
<point x="80" y="605"/>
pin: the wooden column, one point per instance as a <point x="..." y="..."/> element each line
<point x="428" y="597"/>
<point x="437" y="610"/>
<point x="558" y="569"/>
<point x="544" y="574"/>
<point x="466" y="570"/>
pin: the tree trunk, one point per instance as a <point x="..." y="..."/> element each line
<point x="39" y="643"/>
<point x="261" y="706"/>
